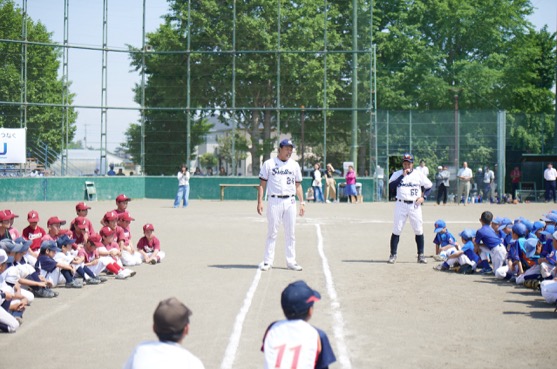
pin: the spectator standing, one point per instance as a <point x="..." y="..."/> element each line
<point x="380" y="181"/>
<point x="422" y="168"/>
<point x="120" y="172"/>
<point x="350" y="189"/>
<point x="489" y="177"/>
<point x="550" y="175"/>
<point x="464" y="177"/>
<point x="171" y="324"/>
<point x="442" y="183"/>
<point x="111" y="172"/>
<point x="317" y="184"/>
<point x="516" y="175"/>
<point x="330" y="184"/>
<point x="183" y="187"/>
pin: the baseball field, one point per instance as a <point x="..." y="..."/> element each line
<point x="376" y="315"/>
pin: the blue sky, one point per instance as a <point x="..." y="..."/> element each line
<point x="125" y="27"/>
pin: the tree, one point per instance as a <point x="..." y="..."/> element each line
<point x="208" y="160"/>
<point x="256" y="87"/>
<point x="43" y="85"/>
<point x="241" y="148"/>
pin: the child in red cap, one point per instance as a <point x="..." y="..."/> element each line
<point x="149" y="246"/>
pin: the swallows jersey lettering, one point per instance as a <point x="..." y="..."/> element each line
<point x="280" y="171"/>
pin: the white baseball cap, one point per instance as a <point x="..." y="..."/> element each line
<point x="3" y="256"/>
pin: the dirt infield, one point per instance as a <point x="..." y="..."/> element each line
<point x="376" y="315"/>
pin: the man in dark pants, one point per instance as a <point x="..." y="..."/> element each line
<point x="550" y="175"/>
<point x="442" y="181"/>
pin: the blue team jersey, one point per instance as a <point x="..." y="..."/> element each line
<point x="468" y="250"/>
<point x="444" y="239"/>
<point x="46" y="263"/>
<point x="507" y="239"/>
<point x="487" y="237"/>
<point x="552" y="258"/>
<point x="547" y="248"/>
<point x="513" y="253"/>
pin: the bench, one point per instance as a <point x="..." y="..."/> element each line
<point x="225" y="185"/>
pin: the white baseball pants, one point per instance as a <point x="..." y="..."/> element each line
<point x="405" y="211"/>
<point x="498" y="255"/>
<point x="536" y="269"/>
<point x="281" y="211"/>
<point x="549" y="290"/>
<point x="129" y="259"/>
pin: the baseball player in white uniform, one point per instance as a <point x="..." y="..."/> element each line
<point x="282" y="178"/>
<point x="412" y="186"/>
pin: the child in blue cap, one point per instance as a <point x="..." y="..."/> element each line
<point x="445" y="242"/>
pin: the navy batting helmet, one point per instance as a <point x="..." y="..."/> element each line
<point x="408" y="157"/>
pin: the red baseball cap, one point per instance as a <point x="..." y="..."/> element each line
<point x="111" y="215"/>
<point x="106" y="232"/>
<point x="122" y="198"/>
<point x="82" y="206"/>
<point x="54" y="220"/>
<point x="125" y="216"/>
<point x="33" y="216"/>
<point x="80" y="222"/>
<point x="148" y="227"/>
<point x="4" y="216"/>
<point x="12" y="215"/>
<point x="96" y="239"/>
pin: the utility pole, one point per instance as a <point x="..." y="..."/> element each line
<point x="302" y="119"/>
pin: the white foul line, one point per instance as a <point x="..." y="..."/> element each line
<point x="338" y="321"/>
<point x="232" y="348"/>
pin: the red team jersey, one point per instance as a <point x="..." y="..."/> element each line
<point x="88" y="256"/>
<point x="148" y="246"/>
<point x="34" y="235"/>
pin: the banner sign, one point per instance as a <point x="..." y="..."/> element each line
<point x="13" y="145"/>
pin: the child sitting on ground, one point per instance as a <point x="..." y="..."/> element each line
<point x="465" y="255"/>
<point x="54" y="271"/>
<point x="149" y="246"/>
<point x="445" y="243"/>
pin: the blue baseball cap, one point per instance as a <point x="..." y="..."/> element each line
<point x="297" y="298"/>
<point x="497" y="220"/>
<point x="439" y="225"/>
<point x="286" y="142"/>
<point x="64" y="240"/>
<point x="7" y="245"/>
<point x="530" y="246"/>
<point x="548" y="231"/>
<point x="467" y="234"/>
<point x="408" y="157"/>
<point x="539" y="224"/>
<point x="529" y="225"/>
<point x="50" y="245"/>
<point x="551" y="217"/>
<point x="504" y="223"/>
<point x="25" y="244"/>
<point x="520" y="229"/>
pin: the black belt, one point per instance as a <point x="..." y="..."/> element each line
<point x="282" y="196"/>
<point x="405" y="201"/>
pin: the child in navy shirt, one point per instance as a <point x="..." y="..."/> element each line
<point x="53" y="270"/>
<point x="488" y="244"/>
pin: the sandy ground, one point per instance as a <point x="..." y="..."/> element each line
<point x="376" y="315"/>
